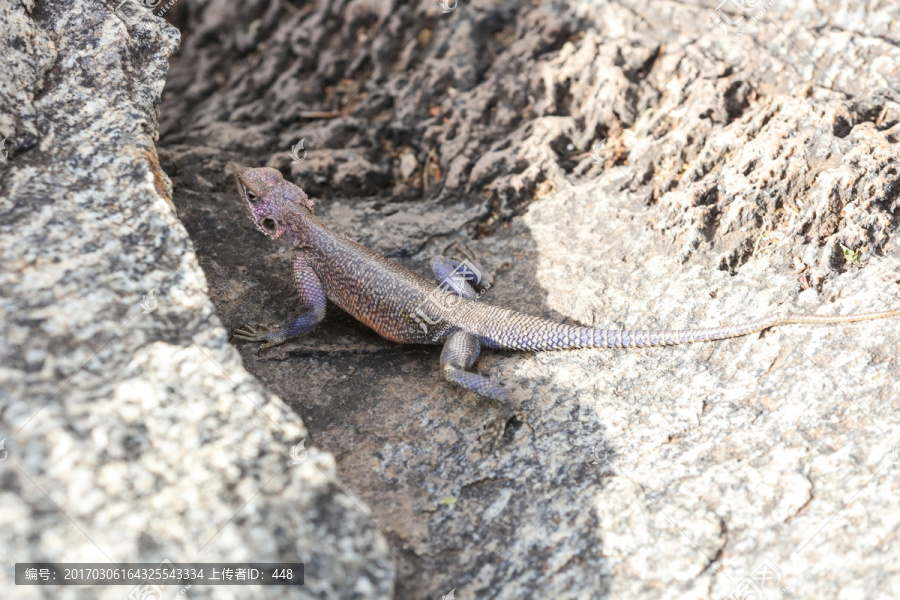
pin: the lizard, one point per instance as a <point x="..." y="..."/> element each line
<point x="405" y="307"/>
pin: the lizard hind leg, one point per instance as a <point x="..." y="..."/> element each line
<point x="460" y="352"/>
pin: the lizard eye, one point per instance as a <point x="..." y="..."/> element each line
<point x="268" y="224"/>
<point x="251" y="197"/>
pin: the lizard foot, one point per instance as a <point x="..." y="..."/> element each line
<point x="260" y="333"/>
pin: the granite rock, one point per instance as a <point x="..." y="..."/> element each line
<point x="618" y="164"/>
<point x="609" y="163"/>
<point x="131" y="431"/>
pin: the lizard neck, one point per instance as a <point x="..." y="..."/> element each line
<point x="304" y="230"/>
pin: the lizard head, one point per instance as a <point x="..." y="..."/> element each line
<point x="276" y="206"/>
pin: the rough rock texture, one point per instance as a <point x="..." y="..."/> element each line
<point x="609" y="163"/>
<point x="133" y="435"/>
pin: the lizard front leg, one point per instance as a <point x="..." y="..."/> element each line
<point x="460" y="352"/>
<point x="312" y="296"/>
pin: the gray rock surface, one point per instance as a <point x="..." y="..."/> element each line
<point x="133" y="435"/>
<point x="618" y="164"/>
<point x="729" y="169"/>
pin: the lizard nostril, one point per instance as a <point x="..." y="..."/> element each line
<point x="269" y="224"/>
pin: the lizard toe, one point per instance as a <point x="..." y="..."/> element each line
<point x="250" y="333"/>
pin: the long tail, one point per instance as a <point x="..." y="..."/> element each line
<point x="611" y="338"/>
<point x="505" y="329"/>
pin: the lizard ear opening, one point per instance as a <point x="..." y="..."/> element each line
<point x="269" y="225"/>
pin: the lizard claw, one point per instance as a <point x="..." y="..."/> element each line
<point x="258" y="333"/>
<point x="250" y="333"/>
